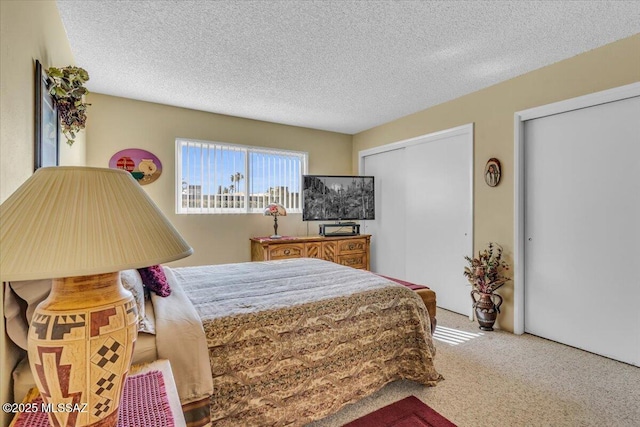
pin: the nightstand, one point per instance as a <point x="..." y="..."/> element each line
<point x="142" y="391"/>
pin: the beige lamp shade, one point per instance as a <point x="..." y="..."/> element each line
<point x="76" y="221"/>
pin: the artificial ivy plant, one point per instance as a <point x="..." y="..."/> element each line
<point x="67" y="89"/>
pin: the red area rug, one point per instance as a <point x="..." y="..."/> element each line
<point x="408" y="412"/>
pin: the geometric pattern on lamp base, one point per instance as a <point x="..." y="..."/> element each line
<point x="82" y="356"/>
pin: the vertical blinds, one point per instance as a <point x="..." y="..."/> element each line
<point x="280" y="174"/>
<point x="226" y="178"/>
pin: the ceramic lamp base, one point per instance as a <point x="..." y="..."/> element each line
<point x="80" y="345"/>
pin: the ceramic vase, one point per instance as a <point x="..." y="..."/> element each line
<point x="486" y="308"/>
<point x="81" y="341"/>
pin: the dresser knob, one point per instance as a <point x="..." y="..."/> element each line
<point x="287" y="251"/>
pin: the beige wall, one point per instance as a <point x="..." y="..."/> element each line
<point x="119" y="123"/>
<point x="29" y="30"/>
<point x="492" y="110"/>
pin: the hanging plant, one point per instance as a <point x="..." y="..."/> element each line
<point x="67" y="89"/>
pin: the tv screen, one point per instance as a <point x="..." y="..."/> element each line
<point x="336" y="198"/>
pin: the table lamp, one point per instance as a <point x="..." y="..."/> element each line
<point x="275" y="210"/>
<point x="81" y="226"/>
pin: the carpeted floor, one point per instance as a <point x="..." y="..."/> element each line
<point x="500" y="379"/>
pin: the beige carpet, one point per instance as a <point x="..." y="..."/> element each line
<point x="500" y="379"/>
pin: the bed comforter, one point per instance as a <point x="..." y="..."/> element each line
<point x="292" y="341"/>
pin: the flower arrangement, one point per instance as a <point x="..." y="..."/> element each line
<point x="67" y="89"/>
<point x="485" y="272"/>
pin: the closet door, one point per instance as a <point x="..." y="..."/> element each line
<point x="582" y="228"/>
<point x="424" y="212"/>
<point x="388" y="229"/>
<point x="439" y="175"/>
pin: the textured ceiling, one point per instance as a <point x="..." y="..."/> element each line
<point x="344" y="66"/>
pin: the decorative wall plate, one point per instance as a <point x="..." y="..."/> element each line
<point x="143" y="165"/>
<point x="492" y="172"/>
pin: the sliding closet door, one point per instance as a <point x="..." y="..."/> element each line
<point x="582" y="228"/>
<point x="439" y="217"/>
<point x="388" y="229"/>
<point x="424" y="212"/>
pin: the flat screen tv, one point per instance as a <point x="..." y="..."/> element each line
<point x="337" y="198"/>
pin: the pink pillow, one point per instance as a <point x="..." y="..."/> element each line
<point x="154" y="278"/>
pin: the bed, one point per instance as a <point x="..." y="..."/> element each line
<point x="283" y="342"/>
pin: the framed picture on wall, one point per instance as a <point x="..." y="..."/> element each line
<point x="47" y="124"/>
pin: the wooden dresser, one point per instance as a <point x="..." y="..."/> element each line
<point x="352" y="251"/>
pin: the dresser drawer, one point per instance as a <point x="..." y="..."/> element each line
<point x="329" y="251"/>
<point x="313" y="250"/>
<point x="353" y="260"/>
<point x="286" y="251"/>
<point x="352" y="246"/>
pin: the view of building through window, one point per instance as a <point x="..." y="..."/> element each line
<point x="226" y="178"/>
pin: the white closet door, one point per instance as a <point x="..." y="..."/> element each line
<point x="439" y="217"/>
<point x="424" y="212"/>
<point x="582" y="228"/>
<point x="388" y="229"/>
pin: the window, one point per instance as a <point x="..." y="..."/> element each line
<point x="216" y="177"/>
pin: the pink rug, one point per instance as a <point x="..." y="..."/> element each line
<point x="408" y="412"/>
<point x="144" y="403"/>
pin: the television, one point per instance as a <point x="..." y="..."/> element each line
<point x="337" y="198"/>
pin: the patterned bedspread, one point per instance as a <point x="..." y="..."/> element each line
<point x="292" y="341"/>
